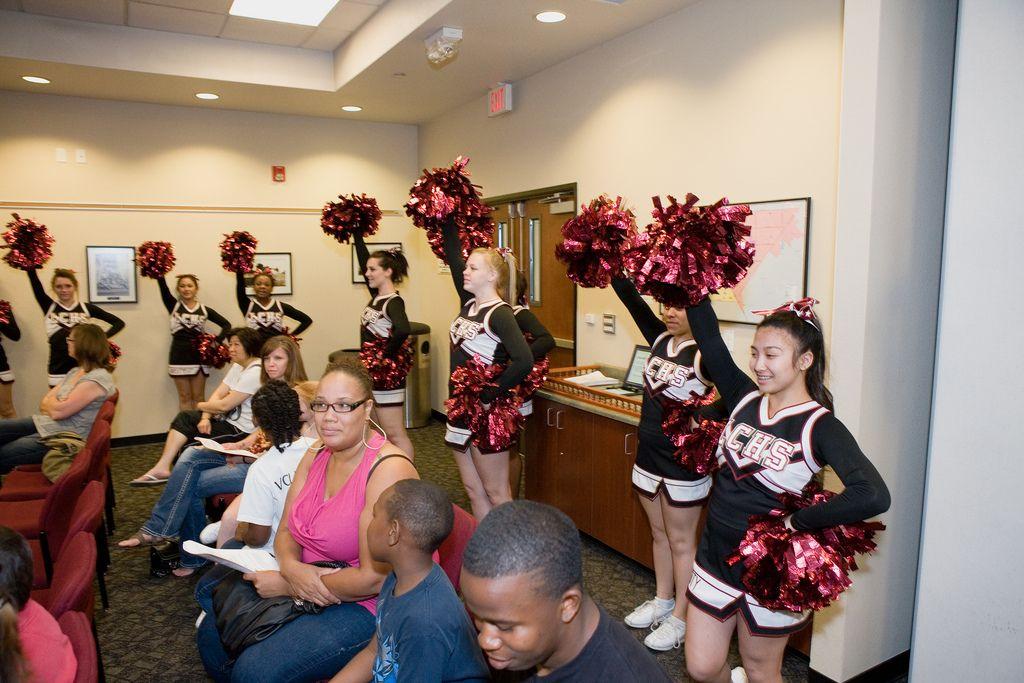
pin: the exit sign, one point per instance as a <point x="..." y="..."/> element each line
<point x="499" y="101"/>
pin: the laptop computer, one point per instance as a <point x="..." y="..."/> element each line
<point x="634" y="382"/>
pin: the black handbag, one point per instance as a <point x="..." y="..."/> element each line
<point x="244" y="618"/>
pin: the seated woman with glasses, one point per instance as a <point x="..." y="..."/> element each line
<point x="328" y="509"/>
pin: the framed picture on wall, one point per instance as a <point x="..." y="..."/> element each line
<point x="110" y="274"/>
<point x="280" y="266"/>
<point x="780" y="232"/>
<point x="357" y="276"/>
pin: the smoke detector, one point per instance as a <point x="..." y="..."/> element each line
<point x="443" y="45"/>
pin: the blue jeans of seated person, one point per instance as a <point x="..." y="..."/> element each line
<point x="209" y="580"/>
<point x="181" y="510"/>
<point x="19" y="444"/>
<point x="314" y="647"/>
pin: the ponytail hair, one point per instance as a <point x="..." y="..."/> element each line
<point x="808" y="336"/>
<point x="395" y="261"/>
<point x="522" y="289"/>
<point x="503" y="262"/>
<point x="15" y="590"/>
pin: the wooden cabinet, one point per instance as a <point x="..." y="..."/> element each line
<point x="581" y="463"/>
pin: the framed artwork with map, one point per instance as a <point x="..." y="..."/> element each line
<point x="780" y="231"/>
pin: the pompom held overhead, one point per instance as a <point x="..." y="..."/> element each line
<point x="29" y="244"/>
<point x="592" y="242"/>
<point x="155" y="259"/>
<point x="690" y="251"/>
<point x="237" y="251"/>
<point x="447" y="194"/>
<point x="349" y="216"/>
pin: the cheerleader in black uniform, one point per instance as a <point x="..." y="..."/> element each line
<point x="264" y="313"/>
<point x="670" y="494"/>
<point x="8" y="329"/>
<point x="61" y="315"/>
<point x="384" y="318"/>
<point x="781" y="432"/>
<point x="486" y="329"/>
<point x="541" y="343"/>
<point x="188" y="321"/>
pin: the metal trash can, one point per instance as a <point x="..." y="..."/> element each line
<point x="417" y="386"/>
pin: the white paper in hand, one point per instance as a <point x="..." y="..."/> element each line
<point x="243" y="559"/>
<point x="212" y="445"/>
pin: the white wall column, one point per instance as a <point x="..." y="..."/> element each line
<point x="897" y="74"/>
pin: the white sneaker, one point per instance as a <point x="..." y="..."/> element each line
<point x="668" y="636"/>
<point x="209" y="533"/>
<point x="738" y="675"/>
<point x="648" y="614"/>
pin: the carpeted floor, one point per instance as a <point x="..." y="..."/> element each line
<point x="147" y="634"/>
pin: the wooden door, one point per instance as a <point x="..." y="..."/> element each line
<point x="541" y="452"/>
<point x="573" y="467"/>
<point x="528" y="226"/>
<point x="613" y="512"/>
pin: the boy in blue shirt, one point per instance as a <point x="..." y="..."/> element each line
<point x="423" y="632"/>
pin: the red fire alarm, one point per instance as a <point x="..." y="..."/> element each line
<point x="277" y="173"/>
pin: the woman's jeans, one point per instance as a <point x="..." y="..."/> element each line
<point x="19" y="444"/>
<point x="181" y="510"/>
<point x="314" y="647"/>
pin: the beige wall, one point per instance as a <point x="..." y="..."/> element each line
<point x="722" y="98"/>
<point x="150" y="154"/>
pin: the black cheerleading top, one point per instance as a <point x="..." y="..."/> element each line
<point x="11" y="331"/>
<point x="384" y="317"/>
<point x="672" y="372"/>
<point x="488" y="331"/>
<point x="268" y="320"/>
<point x="762" y="456"/>
<point x="537" y="336"/>
<point x="59" y="319"/>
<point x="187" y="324"/>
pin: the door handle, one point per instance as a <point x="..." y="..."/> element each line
<point x="548" y="420"/>
<point x="558" y="419"/>
<point x="625" y="443"/>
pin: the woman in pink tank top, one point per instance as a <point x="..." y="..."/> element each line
<point x="328" y="509"/>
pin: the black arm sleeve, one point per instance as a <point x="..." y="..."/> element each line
<point x="116" y="324"/>
<point x="453" y="254"/>
<point x="295" y="314"/>
<point x="220" y="321"/>
<point x="503" y="324"/>
<point x="165" y="294"/>
<point x="542" y="342"/>
<point x="730" y="381"/>
<point x="864" y="494"/>
<point x="10" y="329"/>
<point x="400" y="327"/>
<point x="363" y="254"/>
<point x="42" y="298"/>
<point x="648" y="322"/>
<point x="240" y="295"/>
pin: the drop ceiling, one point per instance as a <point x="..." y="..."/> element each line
<point x="366" y="52"/>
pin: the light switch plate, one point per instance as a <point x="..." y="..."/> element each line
<point x="608" y="322"/>
<point x="590" y="319"/>
<point x="61" y="155"/>
<point x="80" y="156"/>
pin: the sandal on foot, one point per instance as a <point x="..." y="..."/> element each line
<point x="144" y="541"/>
<point x="183" y="572"/>
<point x="149" y="480"/>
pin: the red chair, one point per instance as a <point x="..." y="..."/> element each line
<point x="26" y="484"/>
<point x="87" y="516"/>
<point x="218" y="503"/>
<point x="71" y="589"/>
<point x="77" y="627"/>
<point x="450" y="552"/>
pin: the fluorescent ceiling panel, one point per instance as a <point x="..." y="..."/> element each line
<point x="304" y="12"/>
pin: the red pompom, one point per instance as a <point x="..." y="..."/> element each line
<point x="30" y="244"/>
<point x="538" y="375"/>
<point x="5" y="312"/>
<point x="445" y="194"/>
<point x="155" y="259"/>
<point x="388" y="372"/>
<point x="115" y="353"/>
<point x="237" y="251"/>
<point x="592" y="242"/>
<point x="349" y="216"/>
<point x="695" y="446"/>
<point x="799" y="570"/>
<point x="211" y="352"/>
<point x="690" y="251"/>
<point x="494" y="429"/>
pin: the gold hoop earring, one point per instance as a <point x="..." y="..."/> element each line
<point x="378" y="427"/>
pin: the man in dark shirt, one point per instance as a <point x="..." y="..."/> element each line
<point x="522" y="579"/>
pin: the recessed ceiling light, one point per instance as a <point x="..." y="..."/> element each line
<point x="551" y="17"/>
<point x="303" y="12"/>
<point x="36" y="79"/>
<point x="207" y="96"/>
<point x="351" y="107"/>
